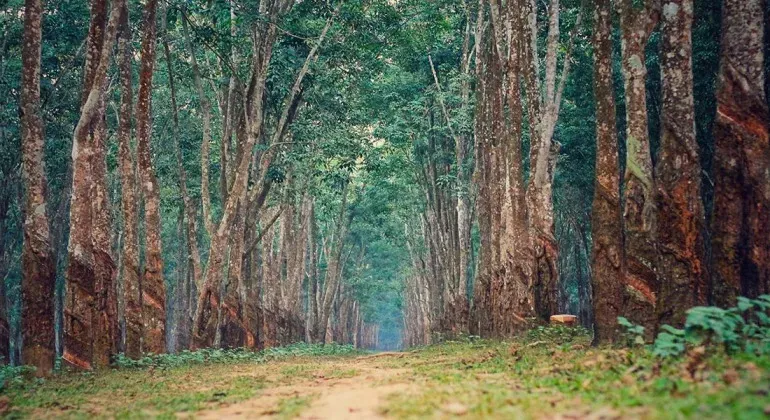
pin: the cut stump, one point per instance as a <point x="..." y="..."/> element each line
<point x="566" y="320"/>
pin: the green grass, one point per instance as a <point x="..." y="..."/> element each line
<point x="163" y="385"/>
<point x="539" y="375"/>
<point x="548" y="371"/>
<point x="291" y="407"/>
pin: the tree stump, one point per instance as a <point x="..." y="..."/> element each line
<point x="566" y="320"/>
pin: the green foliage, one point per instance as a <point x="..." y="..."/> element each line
<point x="242" y="355"/>
<point x="14" y="375"/>
<point x="670" y="342"/>
<point x="519" y="380"/>
<point x="744" y="328"/>
<point x="633" y="334"/>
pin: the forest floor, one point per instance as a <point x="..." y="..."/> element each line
<point x="551" y="374"/>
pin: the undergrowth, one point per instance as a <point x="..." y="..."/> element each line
<point x="744" y="328"/>
<point x="240" y="355"/>
<point x="20" y="375"/>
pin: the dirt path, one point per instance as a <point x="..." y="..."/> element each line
<point x="354" y="389"/>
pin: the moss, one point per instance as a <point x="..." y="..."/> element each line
<point x="633" y="167"/>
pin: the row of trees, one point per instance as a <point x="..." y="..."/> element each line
<point x="258" y="272"/>
<point x="649" y="228"/>
<point x="372" y="172"/>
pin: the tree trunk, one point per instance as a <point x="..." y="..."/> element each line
<point x="81" y="319"/>
<point x="333" y="268"/>
<point x="153" y="290"/>
<point x="641" y="280"/>
<point x="106" y="303"/>
<point x="195" y="274"/>
<point x="607" y="219"/>
<point x="209" y="299"/>
<point x="38" y="267"/>
<point x="129" y="269"/>
<point x="233" y="324"/>
<point x="681" y="266"/>
<point x="205" y="108"/>
<point x="741" y="217"/>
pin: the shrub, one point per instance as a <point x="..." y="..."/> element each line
<point x="633" y="334"/>
<point x="241" y="355"/>
<point x="742" y="328"/>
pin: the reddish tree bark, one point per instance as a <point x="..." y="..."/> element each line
<point x="105" y="342"/>
<point x="153" y="290"/>
<point x="607" y="219"/>
<point x="741" y="217"/>
<point x="81" y="318"/>
<point x="129" y="269"/>
<point x="681" y="266"/>
<point x="641" y="280"/>
<point x="38" y="267"/>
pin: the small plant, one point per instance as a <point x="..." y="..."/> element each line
<point x="633" y="334"/>
<point x="14" y="375"/>
<point x="742" y="328"/>
<point x="670" y="342"/>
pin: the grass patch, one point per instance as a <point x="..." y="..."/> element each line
<point x="291" y="407"/>
<point x="340" y="373"/>
<point x="555" y="371"/>
<point x="162" y="385"/>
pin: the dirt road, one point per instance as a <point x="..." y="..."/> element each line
<point x="357" y="388"/>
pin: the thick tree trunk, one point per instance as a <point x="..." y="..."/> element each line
<point x="741" y="216"/>
<point x="607" y="219"/>
<point x="106" y="303"/>
<point x="153" y="290"/>
<point x="81" y="319"/>
<point x="480" y="320"/>
<point x="543" y="113"/>
<point x="517" y="300"/>
<point x="641" y="280"/>
<point x="129" y="267"/>
<point x="38" y="266"/>
<point x="681" y="267"/>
